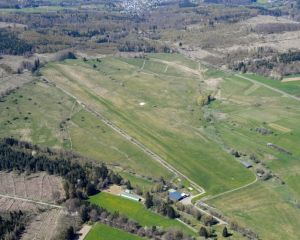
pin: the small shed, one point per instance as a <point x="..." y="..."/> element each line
<point x="131" y="196"/>
<point x="247" y="164"/>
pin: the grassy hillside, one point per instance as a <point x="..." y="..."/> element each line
<point x="170" y="122"/>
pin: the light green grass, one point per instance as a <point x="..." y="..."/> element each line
<point x="136" y="211"/>
<point x="104" y="232"/>
<point x="137" y="181"/>
<point x="288" y="87"/>
<point x="169" y="122"/>
<point x="36" y="112"/>
<point x="266" y="207"/>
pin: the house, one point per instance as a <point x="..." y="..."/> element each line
<point x="130" y="196"/>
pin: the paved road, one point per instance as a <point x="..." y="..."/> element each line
<point x="31" y="201"/>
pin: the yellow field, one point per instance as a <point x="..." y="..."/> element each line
<point x="280" y="128"/>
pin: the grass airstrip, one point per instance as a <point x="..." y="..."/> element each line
<point x="154" y="99"/>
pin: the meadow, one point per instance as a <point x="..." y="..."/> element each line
<point x="101" y="232"/>
<point x="271" y="208"/>
<point x="292" y="87"/>
<point x="155" y="101"/>
<point x="40" y="113"/>
<point x="136" y="211"/>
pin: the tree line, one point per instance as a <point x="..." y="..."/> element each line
<point x="12" y="225"/>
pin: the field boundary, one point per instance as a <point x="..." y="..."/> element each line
<point x="230" y="191"/>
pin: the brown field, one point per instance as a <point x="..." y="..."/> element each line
<point x="12" y="81"/>
<point x="114" y="189"/>
<point x="7" y="204"/>
<point x="43" y="226"/>
<point x="280" y="128"/>
<point x="40" y="186"/>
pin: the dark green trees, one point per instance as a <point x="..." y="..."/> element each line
<point x="148" y="200"/>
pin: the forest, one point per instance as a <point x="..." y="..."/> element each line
<point x="11" y="44"/>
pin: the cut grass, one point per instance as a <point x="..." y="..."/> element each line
<point x="104" y="232"/>
<point x="136" y="211"/>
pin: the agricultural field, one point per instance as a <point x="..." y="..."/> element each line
<point x="100" y="232"/>
<point x="136" y="211"/>
<point x="247" y="107"/>
<point x="165" y="120"/>
<point x="39" y="187"/>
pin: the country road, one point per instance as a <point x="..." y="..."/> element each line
<point x="229" y="191"/>
<point x="267" y="86"/>
<point x="31" y="201"/>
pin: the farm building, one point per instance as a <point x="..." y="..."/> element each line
<point x="130" y="196"/>
<point x="176" y="196"/>
<point x="247" y="164"/>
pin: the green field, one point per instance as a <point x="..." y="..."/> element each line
<point x="136" y="211"/>
<point x="137" y="181"/>
<point x="170" y="123"/>
<point x="266" y="207"/>
<point x="42" y="114"/>
<point x="104" y="232"/>
<point x="289" y="87"/>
